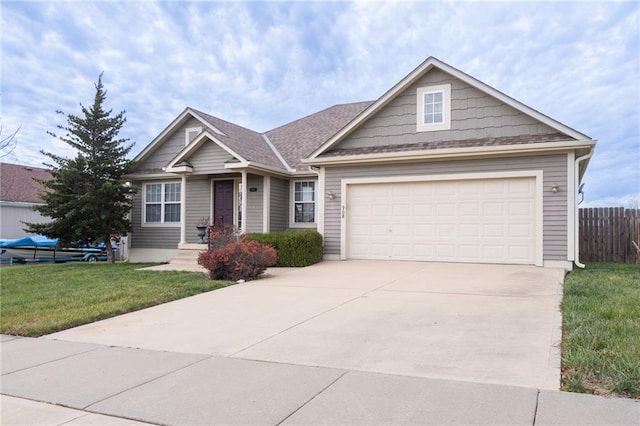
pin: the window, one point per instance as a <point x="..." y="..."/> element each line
<point x="190" y="133"/>
<point x="432" y="113"/>
<point x="304" y="202"/>
<point x="162" y="202"/>
<point x="433" y="108"/>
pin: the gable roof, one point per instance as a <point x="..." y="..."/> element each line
<point x="250" y="145"/>
<point x="299" y="138"/>
<point x="429" y="64"/>
<point x="315" y="138"/>
<point x="17" y="183"/>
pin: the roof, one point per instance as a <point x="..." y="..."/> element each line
<point x="247" y="143"/>
<point x="420" y="71"/>
<point x="465" y="143"/>
<point x="291" y="147"/>
<point x="298" y="139"/>
<point x="17" y="183"/>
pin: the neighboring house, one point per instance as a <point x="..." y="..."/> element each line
<point x="19" y="192"/>
<point x="441" y="168"/>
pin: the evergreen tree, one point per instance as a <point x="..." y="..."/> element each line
<point x="88" y="198"/>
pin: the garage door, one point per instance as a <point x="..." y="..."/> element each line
<point x="480" y="220"/>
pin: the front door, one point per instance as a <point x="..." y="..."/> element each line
<point x="223" y="201"/>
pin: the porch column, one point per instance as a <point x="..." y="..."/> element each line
<point x="183" y="210"/>
<point x="245" y="191"/>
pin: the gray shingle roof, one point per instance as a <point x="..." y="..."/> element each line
<point x="466" y="143"/>
<point x="17" y="183"/>
<point x="247" y="143"/>
<point x="298" y="139"/>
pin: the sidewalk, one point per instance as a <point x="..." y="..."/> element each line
<point x="81" y="383"/>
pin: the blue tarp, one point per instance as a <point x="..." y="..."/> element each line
<point x="34" y="241"/>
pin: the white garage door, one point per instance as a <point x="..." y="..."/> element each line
<point x="480" y="220"/>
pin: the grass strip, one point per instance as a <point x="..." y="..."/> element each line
<point x="39" y="299"/>
<point x="601" y="336"/>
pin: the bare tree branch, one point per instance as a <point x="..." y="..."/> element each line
<point x="8" y="143"/>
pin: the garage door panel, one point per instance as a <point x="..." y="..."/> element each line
<point x="481" y="220"/>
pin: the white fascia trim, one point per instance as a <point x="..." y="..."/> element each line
<point x="181" y="169"/>
<point x="277" y="154"/>
<point x="19" y="204"/>
<point x="422" y="69"/>
<point x="167" y="130"/>
<point x="451" y="153"/>
<point x="195" y="144"/>
<point x="256" y="166"/>
<point x="151" y="176"/>
<point x="537" y="174"/>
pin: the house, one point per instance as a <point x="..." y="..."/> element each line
<point x="19" y="192"/>
<point x="442" y="168"/>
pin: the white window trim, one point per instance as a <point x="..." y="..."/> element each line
<point x="162" y="203"/>
<point x="292" y="209"/>
<point x="445" y="89"/>
<point x="188" y="131"/>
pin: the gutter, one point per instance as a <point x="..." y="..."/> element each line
<point x="576" y="221"/>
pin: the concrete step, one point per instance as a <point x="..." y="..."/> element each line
<point x="188" y="255"/>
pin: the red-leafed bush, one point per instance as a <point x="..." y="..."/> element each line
<point x="241" y="260"/>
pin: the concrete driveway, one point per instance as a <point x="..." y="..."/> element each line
<point x="481" y="323"/>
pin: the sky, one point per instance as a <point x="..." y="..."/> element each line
<point x="264" y="64"/>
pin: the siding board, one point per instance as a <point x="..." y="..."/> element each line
<point x="168" y="150"/>
<point x="474" y="114"/>
<point x="255" y="203"/>
<point x="279" y="210"/>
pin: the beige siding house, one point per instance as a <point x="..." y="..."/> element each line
<point x="441" y="168"/>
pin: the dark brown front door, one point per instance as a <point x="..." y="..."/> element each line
<point x="223" y="201"/>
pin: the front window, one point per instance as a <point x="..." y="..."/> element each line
<point x="304" y="206"/>
<point x="162" y="202"/>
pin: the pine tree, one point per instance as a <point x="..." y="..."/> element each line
<point x="88" y="198"/>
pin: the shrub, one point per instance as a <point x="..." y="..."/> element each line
<point x="221" y="234"/>
<point x="240" y="260"/>
<point x="295" y="248"/>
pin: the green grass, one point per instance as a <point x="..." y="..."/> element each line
<point x="42" y="299"/>
<point x="601" y="339"/>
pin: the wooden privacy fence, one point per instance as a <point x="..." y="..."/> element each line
<point x="607" y="234"/>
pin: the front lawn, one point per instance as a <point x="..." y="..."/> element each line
<point x="42" y="299"/>
<point x="601" y="336"/>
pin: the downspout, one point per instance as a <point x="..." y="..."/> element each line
<point x="576" y="222"/>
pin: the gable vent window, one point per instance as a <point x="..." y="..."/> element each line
<point x="162" y="203"/>
<point x="433" y="108"/>
<point x="190" y="133"/>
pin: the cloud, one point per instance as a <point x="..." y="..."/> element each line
<point x="263" y="64"/>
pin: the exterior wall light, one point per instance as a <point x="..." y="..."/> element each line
<point x="554" y="188"/>
<point x="331" y="195"/>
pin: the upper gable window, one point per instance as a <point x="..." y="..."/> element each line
<point x="190" y="133"/>
<point x="433" y="108"/>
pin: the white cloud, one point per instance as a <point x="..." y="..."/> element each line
<point x="264" y="64"/>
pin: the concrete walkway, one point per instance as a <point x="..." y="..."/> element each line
<point x="56" y="382"/>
